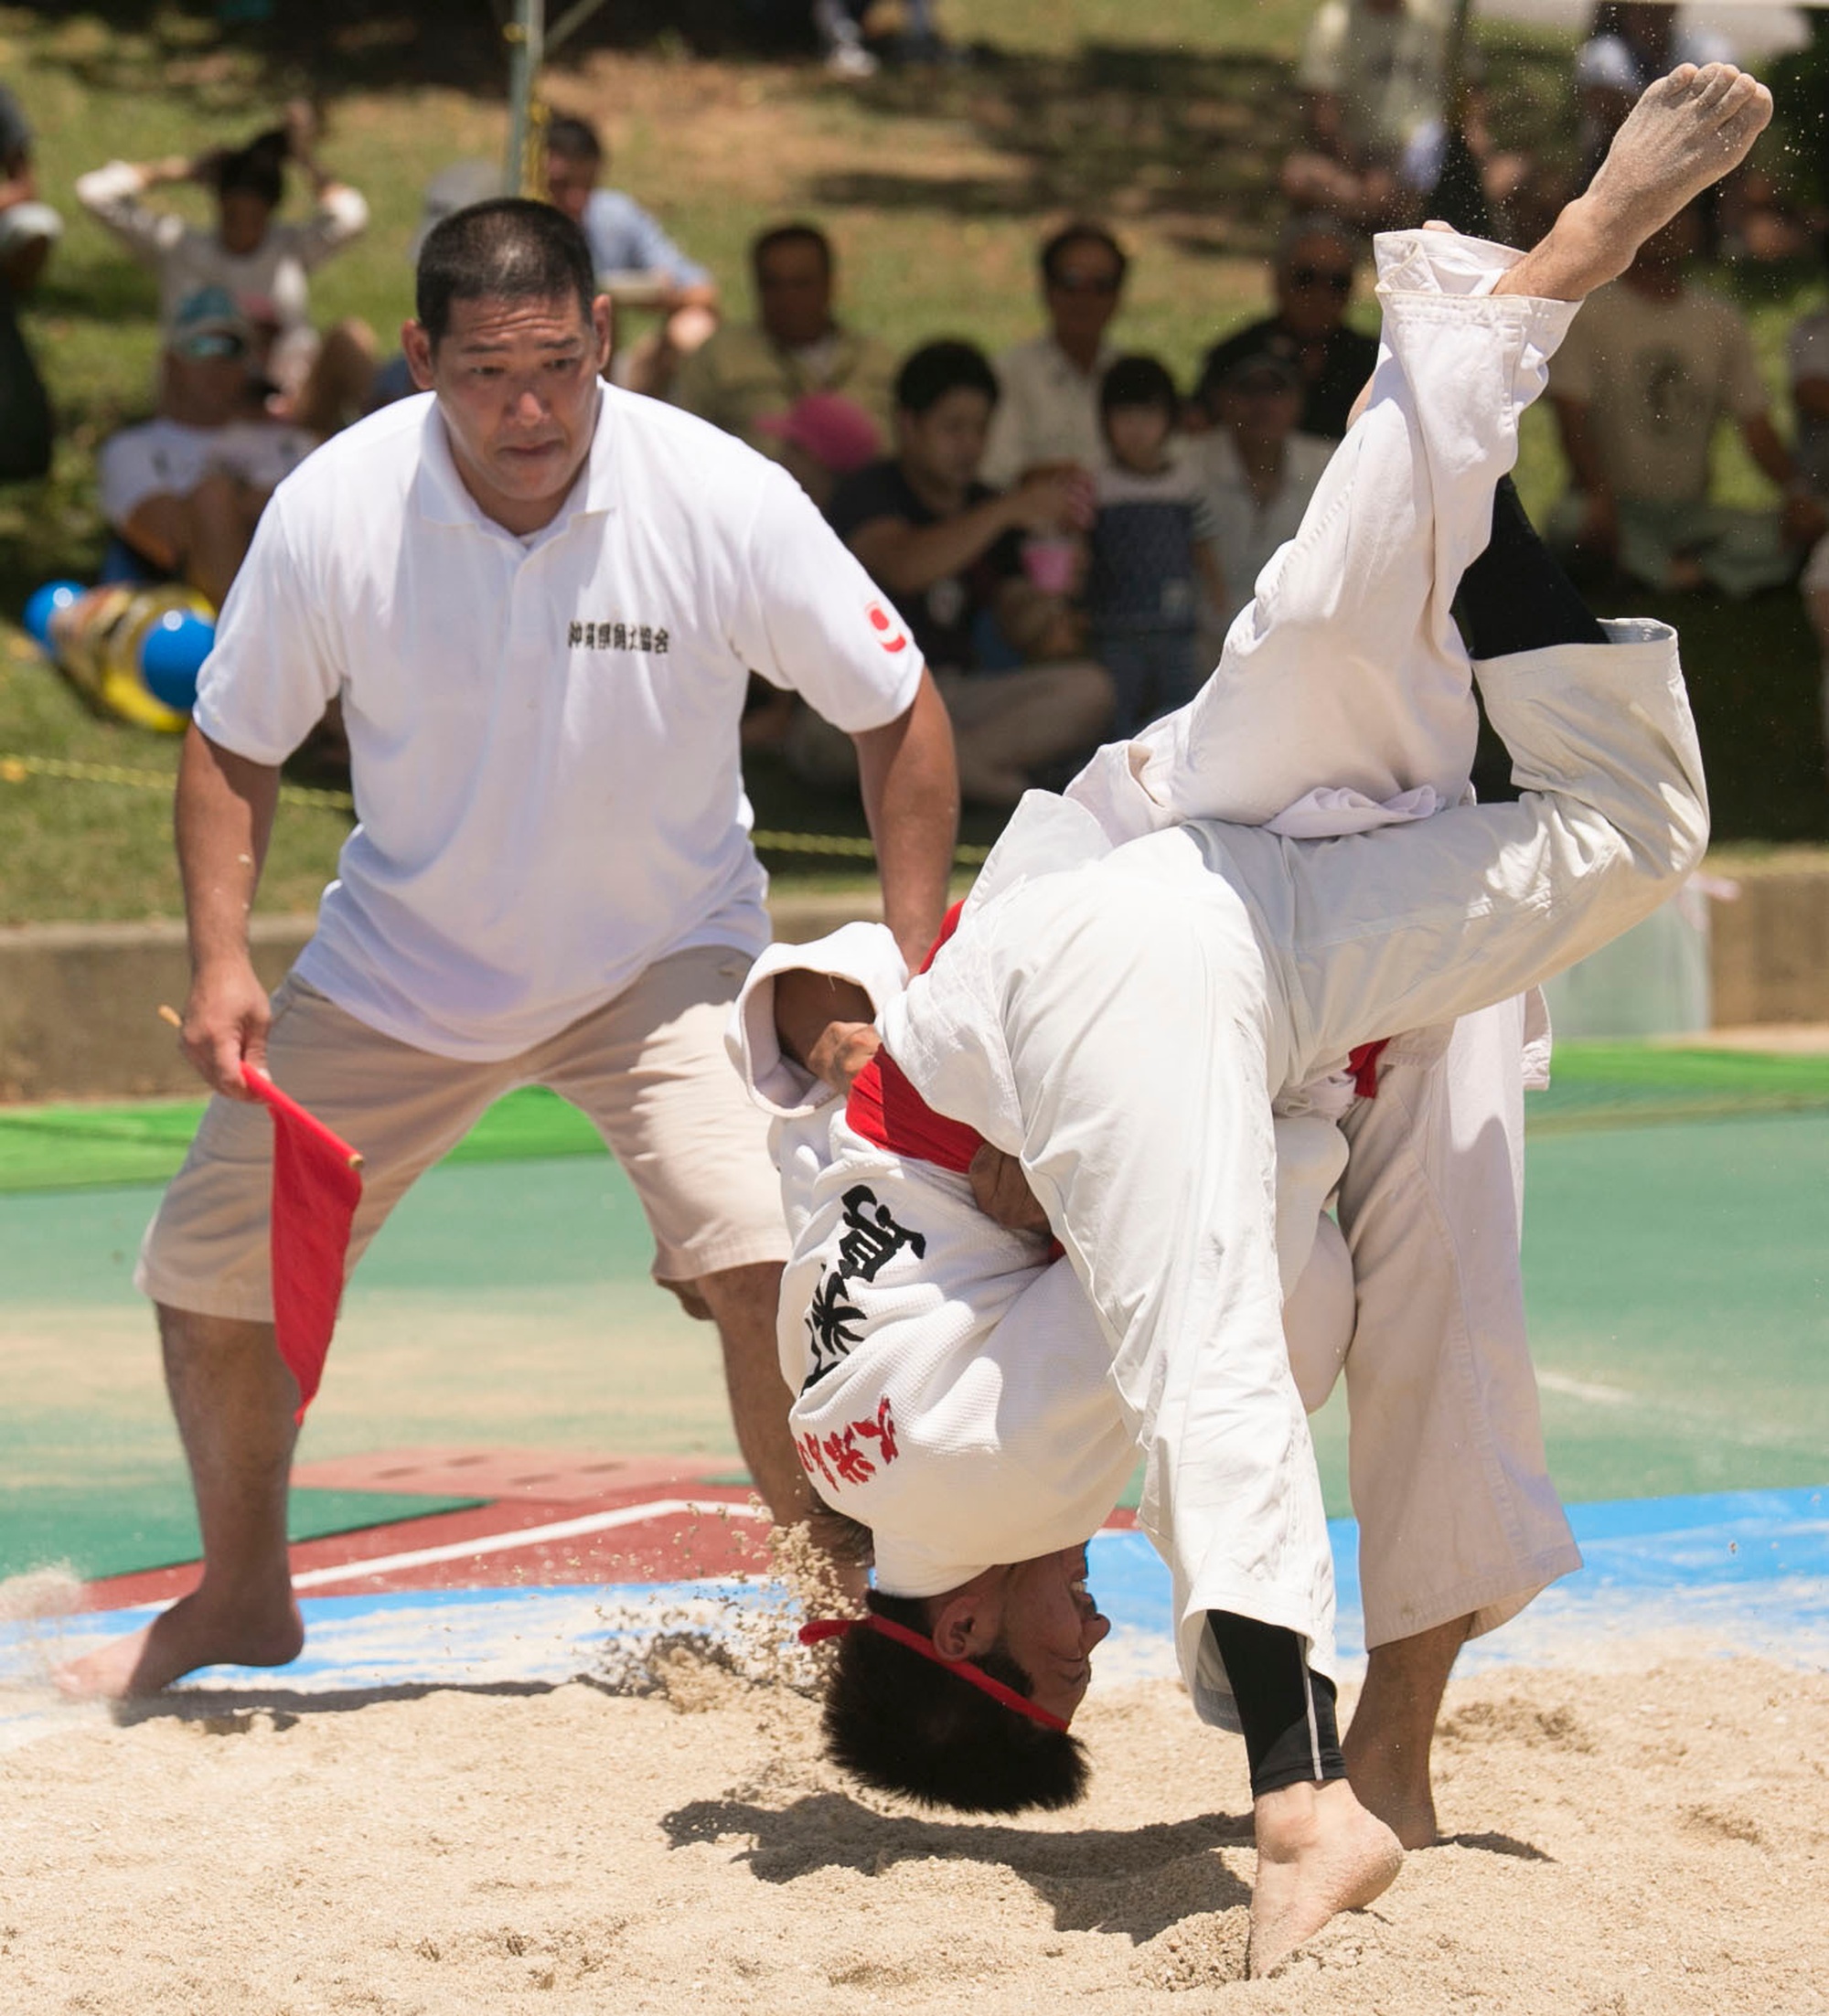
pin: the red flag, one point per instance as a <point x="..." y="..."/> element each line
<point x="316" y="1187"/>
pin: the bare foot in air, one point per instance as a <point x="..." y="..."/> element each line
<point x="197" y="1630"/>
<point x="1686" y="132"/>
<point x="1320" y="1853"/>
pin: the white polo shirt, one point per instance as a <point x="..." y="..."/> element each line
<point x="1048" y="412"/>
<point x="542" y="731"/>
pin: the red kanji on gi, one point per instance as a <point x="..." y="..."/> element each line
<point x="813" y="1458"/>
<point x="851" y="1462"/>
<point x="882" y="1431"/>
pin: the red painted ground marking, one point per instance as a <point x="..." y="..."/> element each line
<point x="673" y="1547"/>
<point x="550" y="1475"/>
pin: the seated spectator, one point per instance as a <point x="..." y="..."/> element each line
<point x="1257" y="471"/>
<point x="639" y="266"/>
<point x="264" y="266"/>
<point x="1629" y="45"/>
<point x="1048" y="412"/>
<point x="1759" y="219"/>
<point x="797" y="346"/>
<point x="843" y="34"/>
<point x="947" y="552"/>
<point x="28" y="229"/>
<point x="1374" y="74"/>
<point x="185" y="490"/>
<point x="822" y="438"/>
<point x="1648" y="372"/>
<point x="1807" y="357"/>
<point x="1151" y="557"/>
<point x="1311" y="274"/>
<point x="1808" y="354"/>
<point x="1815" y="586"/>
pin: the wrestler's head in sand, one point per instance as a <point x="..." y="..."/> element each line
<point x="918" y="1718"/>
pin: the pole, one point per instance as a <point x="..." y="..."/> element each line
<point x="1454" y="79"/>
<point x="1458" y="196"/>
<point x="526" y="38"/>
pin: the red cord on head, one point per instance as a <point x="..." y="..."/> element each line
<point x="820" y="1629"/>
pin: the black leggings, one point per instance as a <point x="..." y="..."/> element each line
<point x="1515" y="596"/>
<point x="1285" y="1709"/>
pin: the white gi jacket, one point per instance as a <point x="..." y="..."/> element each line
<point x="1040" y="1027"/>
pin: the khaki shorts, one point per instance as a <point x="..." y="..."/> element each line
<point x="648" y="1069"/>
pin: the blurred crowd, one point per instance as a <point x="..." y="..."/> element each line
<point x="1066" y="531"/>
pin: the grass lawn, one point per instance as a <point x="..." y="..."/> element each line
<point x="1168" y="119"/>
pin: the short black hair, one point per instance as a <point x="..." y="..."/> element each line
<point x="928" y="374"/>
<point x="1313" y="224"/>
<point x="508" y="248"/>
<point x="1082" y="231"/>
<point x="574" y="139"/>
<point x="256" y="168"/>
<point x="902" y="1724"/>
<point x="1138" y="381"/>
<point x="790" y="234"/>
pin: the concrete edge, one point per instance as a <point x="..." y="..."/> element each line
<point x="79" y="1001"/>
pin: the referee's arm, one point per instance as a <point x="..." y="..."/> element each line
<point x="224" y="819"/>
<point x="910" y="782"/>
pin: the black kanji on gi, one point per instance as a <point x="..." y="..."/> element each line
<point x="872" y="1238"/>
<point x="829" y="1326"/>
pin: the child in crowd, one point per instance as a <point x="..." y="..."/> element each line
<point x="1151" y="543"/>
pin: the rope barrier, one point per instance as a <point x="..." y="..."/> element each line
<point x="16" y="769"/>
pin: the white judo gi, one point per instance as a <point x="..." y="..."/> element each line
<point x="1126" y="1024"/>
<point x="1314" y="725"/>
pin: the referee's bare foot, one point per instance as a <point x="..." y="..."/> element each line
<point x="1320" y="1853"/>
<point x="1687" y="130"/>
<point x="197" y="1630"/>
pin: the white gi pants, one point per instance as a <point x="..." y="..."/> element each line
<point x="1451" y="1485"/>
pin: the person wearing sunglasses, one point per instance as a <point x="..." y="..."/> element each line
<point x="1047" y="414"/>
<point x="1311" y="275"/>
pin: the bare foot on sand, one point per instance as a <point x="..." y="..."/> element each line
<point x="1319" y="1853"/>
<point x="1687" y="130"/>
<point x="197" y="1630"/>
<point x="1394" y="1789"/>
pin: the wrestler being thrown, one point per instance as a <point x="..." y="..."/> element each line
<point x="1099" y="1050"/>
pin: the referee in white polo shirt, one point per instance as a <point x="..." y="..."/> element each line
<point x="537" y="599"/>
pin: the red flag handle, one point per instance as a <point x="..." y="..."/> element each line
<point x="263" y="1088"/>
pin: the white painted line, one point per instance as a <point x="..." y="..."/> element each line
<point x="528" y="1536"/>
<point x="1582" y="1388"/>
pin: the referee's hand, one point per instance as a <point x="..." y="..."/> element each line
<point x="225" y="1027"/>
